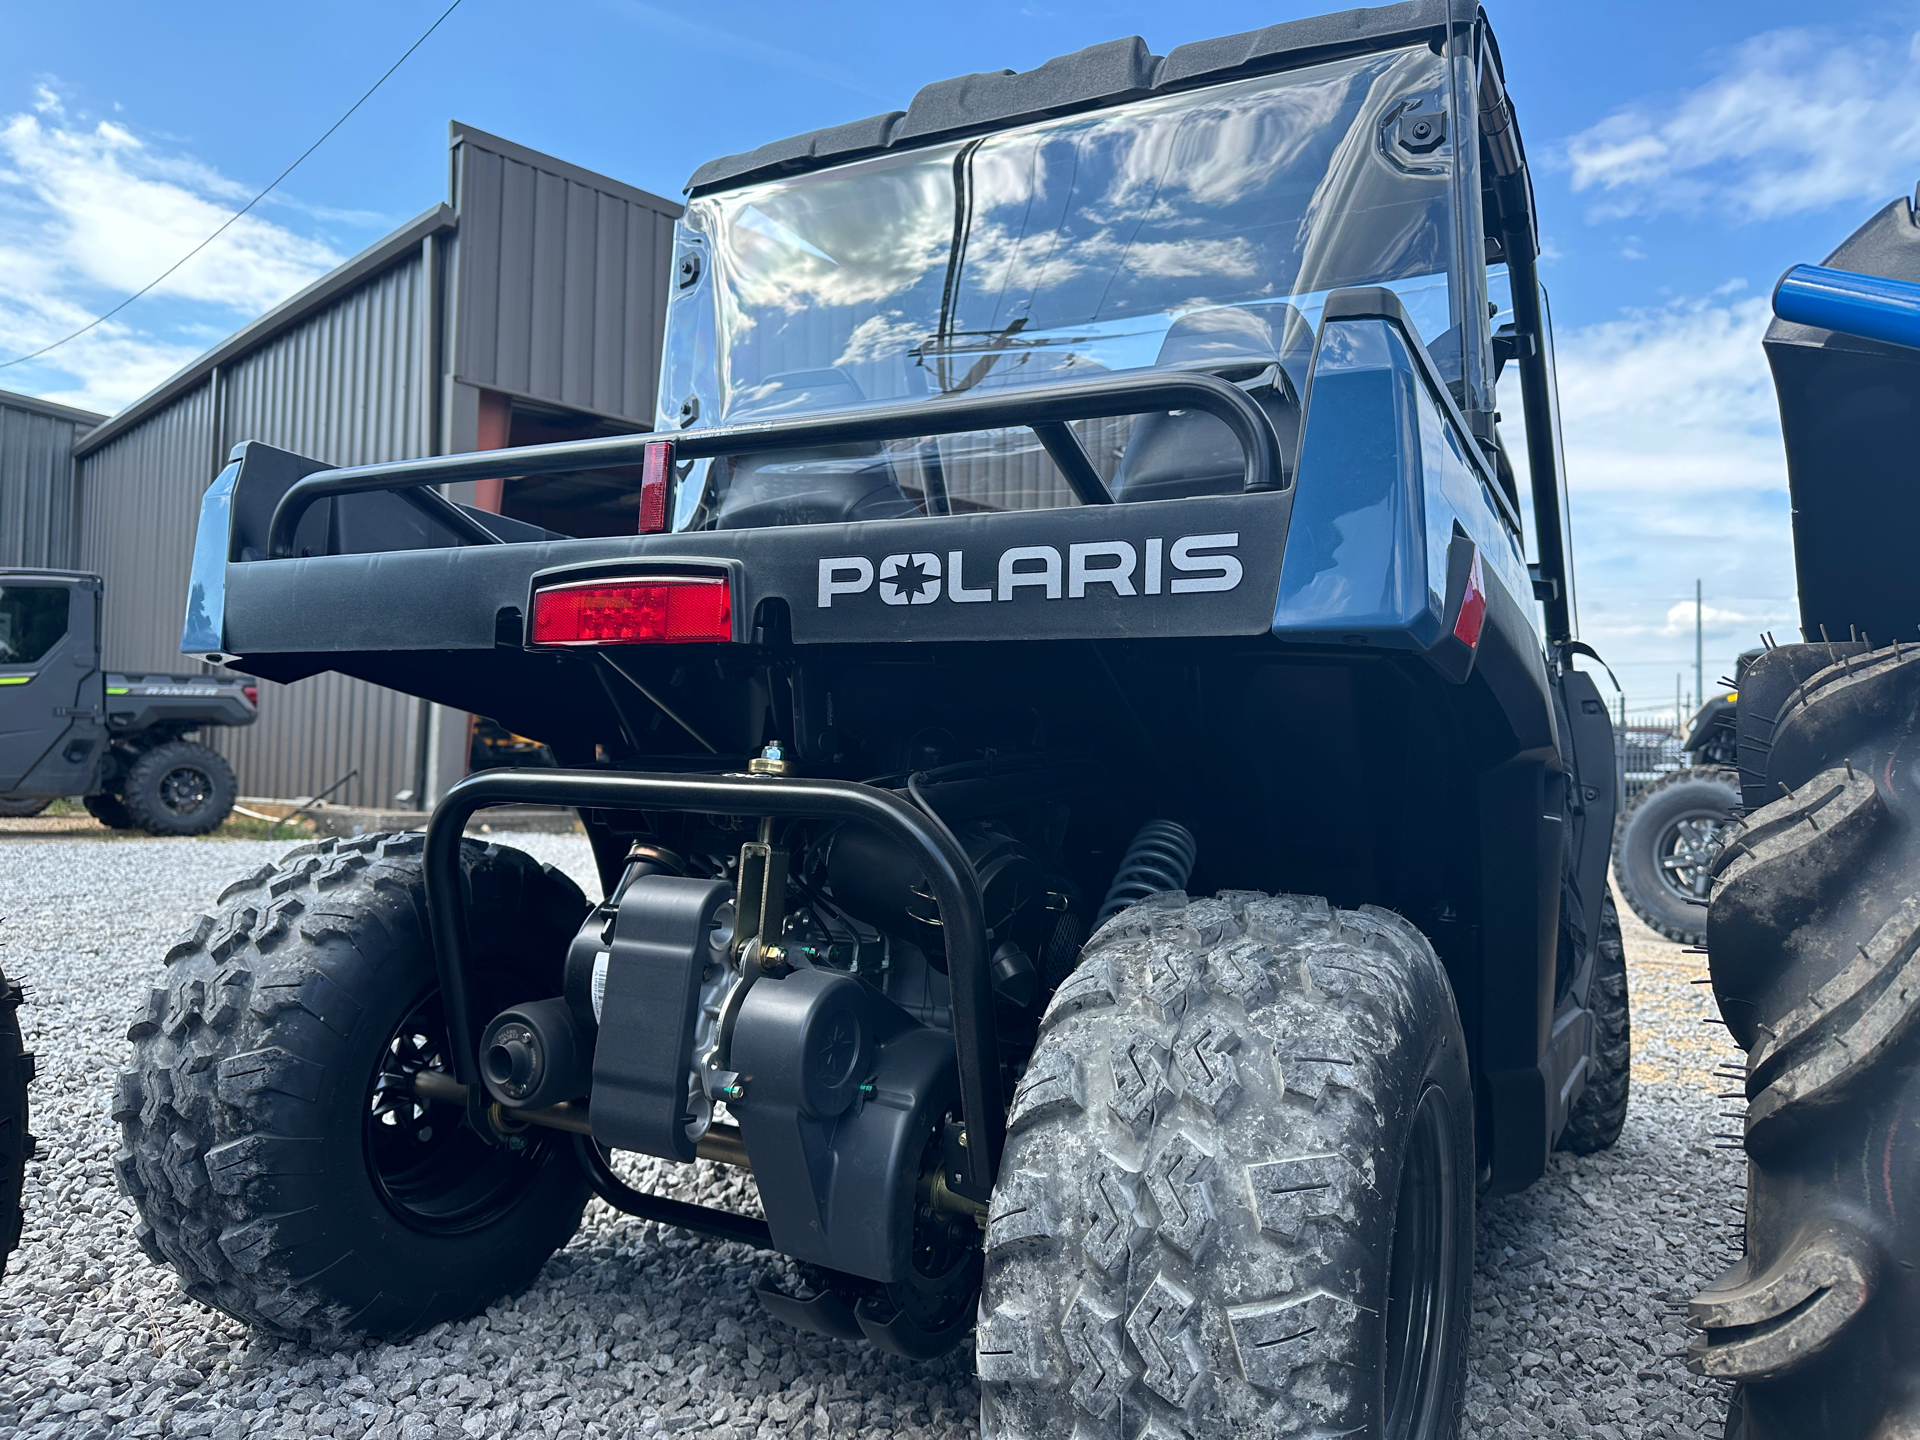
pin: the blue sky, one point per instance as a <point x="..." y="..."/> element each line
<point x="1683" y="156"/>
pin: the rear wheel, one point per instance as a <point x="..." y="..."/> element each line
<point x="1238" y="1194"/>
<point x="1815" y="941"/>
<point x="179" y="788"/>
<point x="1667" y="840"/>
<point x="283" y="1164"/>
<point x="22" y="809"/>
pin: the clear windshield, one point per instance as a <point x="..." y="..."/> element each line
<point x="1201" y="229"/>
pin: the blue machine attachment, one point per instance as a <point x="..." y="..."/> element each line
<point x="1865" y="305"/>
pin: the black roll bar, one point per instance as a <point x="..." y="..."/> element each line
<point x="1044" y="409"/>
<point x="955" y="891"/>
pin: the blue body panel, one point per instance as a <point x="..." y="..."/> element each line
<point x="1385" y="478"/>
<point x="202" y="632"/>
<point x="1865" y="305"/>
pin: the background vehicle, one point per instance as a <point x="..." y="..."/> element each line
<point x="1087" y="808"/>
<point x="67" y="727"/>
<point x="1671" y="830"/>
<point x="1814" y="917"/>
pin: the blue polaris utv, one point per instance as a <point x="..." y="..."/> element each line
<point x="1094" y="804"/>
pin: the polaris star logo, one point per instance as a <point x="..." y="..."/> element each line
<point x="1099" y="567"/>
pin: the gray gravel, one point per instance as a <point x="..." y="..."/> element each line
<point x="636" y="1330"/>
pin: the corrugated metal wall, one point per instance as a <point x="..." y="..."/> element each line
<point x="139" y="499"/>
<point x="560" y="283"/>
<point x="36" y="483"/>
<point x="564" y="278"/>
<point x="348" y="385"/>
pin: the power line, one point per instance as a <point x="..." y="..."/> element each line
<point x="101" y="319"/>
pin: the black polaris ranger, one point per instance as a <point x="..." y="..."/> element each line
<point x="1089" y="812"/>
<point x="117" y="740"/>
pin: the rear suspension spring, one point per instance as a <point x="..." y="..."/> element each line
<point x="1160" y="858"/>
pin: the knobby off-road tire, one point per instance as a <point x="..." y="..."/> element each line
<point x="1815" y="954"/>
<point x="1238" y="1194"/>
<point x="1600" y="1112"/>
<point x="16" y="1145"/>
<point x="280" y="1161"/>
<point x="23" y="809"/>
<point x="179" y="788"/>
<point x="1674" y="819"/>
<point x="109" y="810"/>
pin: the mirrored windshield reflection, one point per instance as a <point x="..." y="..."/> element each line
<point x="1075" y="243"/>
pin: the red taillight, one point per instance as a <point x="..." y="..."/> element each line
<point x="1473" y="607"/>
<point x="252" y="692"/>
<point x="666" y="610"/>
<point x="656" y="473"/>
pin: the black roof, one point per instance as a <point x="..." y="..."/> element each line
<point x="1109" y="74"/>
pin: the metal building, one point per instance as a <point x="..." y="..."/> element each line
<point x="36" y="480"/>
<point x="530" y="308"/>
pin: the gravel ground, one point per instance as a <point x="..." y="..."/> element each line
<point x="636" y="1330"/>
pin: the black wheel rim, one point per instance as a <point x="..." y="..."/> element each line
<point x="1422" y="1281"/>
<point x="1685" y="851"/>
<point x="424" y="1158"/>
<point x="186" y="789"/>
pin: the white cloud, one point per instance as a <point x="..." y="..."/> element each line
<point x="89" y="213"/>
<point x="1796" y="120"/>
<point x="1676" y="473"/>
<point x="1682" y="615"/>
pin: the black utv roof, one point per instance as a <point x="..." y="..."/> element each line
<point x="1109" y="74"/>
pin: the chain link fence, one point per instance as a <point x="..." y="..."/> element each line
<point x="1647" y="746"/>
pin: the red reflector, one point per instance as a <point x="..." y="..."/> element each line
<point x="669" y="610"/>
<point x="1473" y="607"/>
<point x="656" y="473"/>
<point x="252" y="692"/>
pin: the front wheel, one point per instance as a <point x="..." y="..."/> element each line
<point x="1600" y="1113"/>
<point x="179" y="788"/>
<point x="109" y="810"/>
<point x="282" y="1161"/>
<point x="12" y="808"/>
<point x="1238" y="1194"/>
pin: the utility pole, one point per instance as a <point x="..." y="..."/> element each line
<point x="1679" y="715"/>
<point x="1699" y="648"/>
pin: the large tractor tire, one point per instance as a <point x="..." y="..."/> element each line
<point x="272" y="1138"/>
<point x="1815" y="953"/>
<point x="179" y="788"/>
<point x="1667" y="841"/>
<point x="23" y="809"/>
<point x="16" y="1145"/>
<point x="1238" y="1194"/>
<point x="1600" y="1112"/>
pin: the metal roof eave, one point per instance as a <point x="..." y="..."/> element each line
<point x="459" y="133"/>
<point x="369" y="262"/>
<point x="1098" y="76"/>
<point x="12" y="400"/>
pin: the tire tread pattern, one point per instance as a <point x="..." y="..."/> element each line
<point x="218" y="1112"/>
<point x="1224" y="1068"/>
<point x="16" y="1143"/>
<point x="1815" y="952"/>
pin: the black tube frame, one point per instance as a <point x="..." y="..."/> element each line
<point x="663" y="1209"/>
<point x="955" y="891"/>
<point x="1044" y="409"/>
